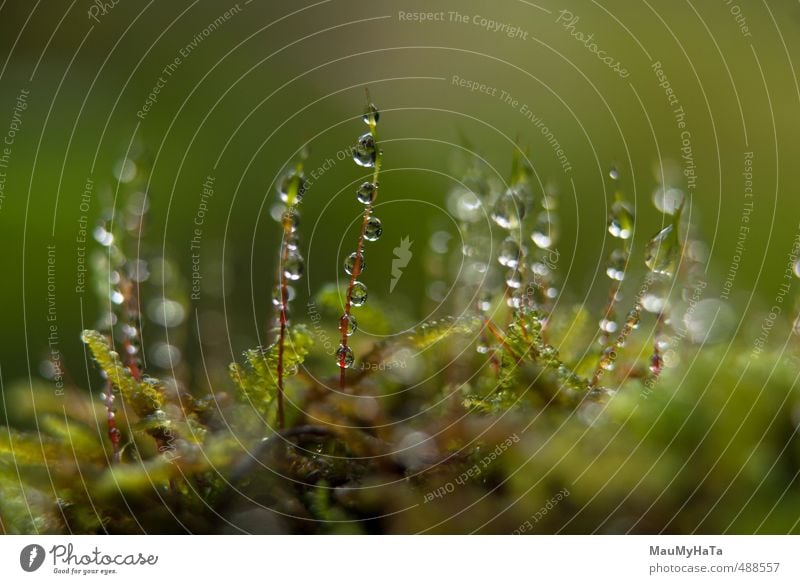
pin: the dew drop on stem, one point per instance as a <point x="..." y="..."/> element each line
<point x="544" y="230"/>
<point x="617" y="262"/>
<point x="354" y="264"/>
<point x="364" y="152"/>
<point x="366" y="193"/>
<point x="620" y="220"/>
<point x="292" y="188"/>
<point x="509" y="210"/>
<point x="371" y="115"/>
<point x="510" y="253"/>
<point x="344" y="357"/>
<point x="662" y="253"/>
<point x="513" y="279"/>
<point x="348" y="324"/>
<point x="373" y="229"/>
<point x="294" y="266"/>
<point x="358" y="295"/>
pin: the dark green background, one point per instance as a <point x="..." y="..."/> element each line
<point x="268" y="81"/>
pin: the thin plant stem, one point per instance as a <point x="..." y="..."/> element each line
<point x="356" y="271"/>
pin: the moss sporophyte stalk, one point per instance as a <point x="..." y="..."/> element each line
<point x="367" y="154"/>
<point x="514" y="356"/>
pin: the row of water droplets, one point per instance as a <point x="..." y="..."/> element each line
<point x="291" y="190"/>
<point x="544" y="259"/>
<point x="119" y="278"/>
<point x="662" y="256"/>
<point x="366" y="154"/>
<point x="509" y="213"/>
<point x="527" y="276"/>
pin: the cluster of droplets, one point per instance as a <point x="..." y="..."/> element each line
<point x="663" y="255"/>
<point x="291" y="265"/>
<point x="117" y="282"/>
<point x="509" y="213"/>
<point x="621" y="222"/>
<point x="466" y="203"/>
<point x="544" y="235"/>
<point x="291" y="190"/>
<point x="120" y="277"/>
<point x="367" y="154"/>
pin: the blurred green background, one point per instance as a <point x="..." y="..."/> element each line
<point x="273" y="76"/>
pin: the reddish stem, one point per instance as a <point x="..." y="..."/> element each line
<point x="284" y="293"/>
<point x="343" y="323"/>
<point x="113" y="432"/>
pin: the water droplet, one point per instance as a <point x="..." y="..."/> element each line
<point x="294" y="266"/>
<point x="550" y="198"/>
<point x="364" y="152"/>
<point x="348" y="324"/>
<point x="464" y="204"/>
<point x="166" y="312"/>
<point x="479" y="267"/>
<point x="540" y="269"/>
<point x="797" y="268"/>
<point x="620" y="220"/>
<point x="373" y="229"/>
<point x="125" y="170"/>
<point x="292" y="188"/>
<point x="549" y="352"/>
<point x="544" y="230"/>
<point x="290" y="221"/>
<point x="613" y="173"/>
<point x="371" y="115"/>
<point x="634" y="316"/>
<point x="656" y="364"/>
<point x="509" y="210"/>
<point x="366" y="193"/>
<point x="653" y="303"/>
<point x="796" y="326"/>
<point x="668" y="200"/>
<point x="513" y="279"/>
<point x="165" y="355"/>
<point x="354" y="264"/>
<point x="344" y="357"/>
<point x="358" y="295"/>
<point x="710" y="321"/>
<point x="608" y="358"/>
<point x="510" y="253"/>
<point x="276" y="294"/>
<point x="663" y="252"/>
<point x="485" y="302"/>
<point x="138" y="270"/>
<point x="608" y="326"/>
<point x="102" y="236"/>
<point x="439" y="242"/>
<point x="117" y="297"/>
<point x="617" y="262"/>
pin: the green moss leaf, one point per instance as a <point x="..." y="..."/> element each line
<point x="257" y="378"/>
